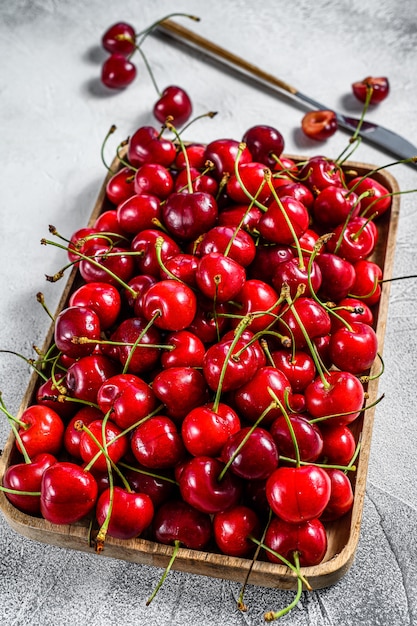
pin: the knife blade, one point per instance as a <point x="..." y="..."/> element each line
<point x="381" y="137"/>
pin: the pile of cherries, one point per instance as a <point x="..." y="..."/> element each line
<point x="209" y="365"/>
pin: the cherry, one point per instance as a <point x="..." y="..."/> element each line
<point x="341" y="496"/>
<point x="102" y="298"/>
<point x="308" y="436"/>
<point x="201" y="488"/>
<point x="296" y="190"/>
<point x="252" y="398"/>
<point x="181" y="389"/>
<point x="239" y="215"/>
<point x="223" y="154"/>
<point x="147" y="145"/>
<point x="274" y="223"/>
<point x="307" y="539"/>
<point x="199" y="182"/>
<point x="72" y="435"/>
<point x="319" y="125"/>
<point x="252" y="453"/>
<point x="298" y="494"/>
<point x="338" y="275"/>
<point x="353" y="241"/>
<point x="366" y="286"/>
<point x="314" y="319"/>
<point x="109" y="436"/>
<point x="209" y="321"/>
<point x="379" y="87"/>
<point x="338" y="395"/>
<point x="259" y="299"/>
<point x="294" y="273"/>
<point x="334" y="205"/>
<point x="120" y="185"/>
<point x="68" y="493"/>
<point x="162" y="302"/>
<point x="178" y="521"/>
<point x="144" y="244"/>
<point x="233" y="528"/>
<point x="354" y="349"/>
<point x="137" y="287"/>
<point x="27" y="477"/>
<point x="153" y="179"/>
<point x="219" y="277"/>
<point x="186" y="216"/>
<point x="195" y="155"/>
<point x="157" y="444"/>
<point x="138" y="212"/>
<point x="338" y="443"/>
<point x="188" y="350"/>
<point x="128" y="397"/>
<point x="205" y="430"/>
<point x="268" y="258"/>
<point x="351" y="310"/>
<point x="117" y="71"/>
<point x="250" y="182"/>
<point x="136" y="358"/>
<point x="120" y="38"/>
<point x="319" y="172"/>
<point x="86" y="375"/>
<point x="52" y="393"/>
<point x="74" y="322"/>
<point x="131" y="513"/>
<point x="41" y="430"/>
<point x="230" y="363"/>
<point x="298" y="366"/>
<point x="108" y="264"/>
<point x="159" y="487"/>
<point x="173" y="103"/>
<point x="265" y="144"/>
<point x="236" y="244"/>
<point x="182" y="266"/>
<point x="378" y="199"/>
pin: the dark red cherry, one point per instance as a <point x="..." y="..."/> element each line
<point x="72" y="323"/>
<point x="307" y="539"/>
<point x="147" y="145"/>
<point x="265" y="143"/>
<point x="233" y="528"/>
<point x="174" y="103"/>
<point x="377" y="86"/>
<point x="178" y="521"/>
<point x="119" y="37"/>
<point x="253" y="453"/>
<point x="223" y="153"/>
<point x="117" y="71"/>
<point x="308" y="436"/>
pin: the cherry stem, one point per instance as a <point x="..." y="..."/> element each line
<point x="177" y="545"/>
<point x="285" y="561"/>
<point x="17" y="492"/>
<point x="30" y="362"/>
<point x="110" y="132"/>
<point x="344" y="468"/>
<point x="144" y="472"/>
<point x="288" y="422"/>
<point x="272" y="615"/>
<point x="209" y="114"/>
<point x="138" y="340"/>
<point x="366" y="378"/>
<point x="13" y="421"/>
<point x="316" y="420"/>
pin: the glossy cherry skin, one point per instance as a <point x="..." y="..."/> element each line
<point x="250" y="183"/>
<point x="338" y="275"/>
<point x="131" y="512"/>
<point x="120" y="38"/>
<point x="102" y="298"/>
<point x="174" y="103"/>
<point x="268" y="258"/>
<point x="199" y="182"/>
<point x="68" y="493"/>
<point x="341" y="496"/>
<point x="240" y="215"/>
<point x="139" y="284"/>
<point x="368" y="275"/>
<point x="351" y="310"/>
<point x="308" y="436"/>
<point x="188" y="350"/>
<point x="208" y="323"/>
<point x="117" y="71"/>
<point x="223" y="154"/>
<point x="293" y="274"/>
<point x="319" y="125"/>
<point x="195" y="156"/>
<point x="338" y="444"/>
<point x="232" y="529"/>
<point x="238" y="369"/>
<point x="219" y="277"/>
<point x="379" y="199"/>
<point x="340" y="399"/>
<point x="144" y="244"/>
<point x="72" y="435"/>
<point x="205" y="430"/>
<point x="265" y="143"/>
<point x="86" y="375"/>
<point x="116" y="444"/>
<point x="147" y="145"/>
<point x="128" y="397"/>
<point x="108" y="264"/>
<point x="273" y="225"/>
<point x="298" y="494"/>
<point x="179" y="521"/>
<point x="159" y="487"/>
<point x="319" y="172"/>
<point x="252" y="397"/>
<point x="354" y="349"/>
<point x="157" y="444"/>
<point x="314" y="318"/>
<point x="137" y="358"/>
<point x="153" y="179"/>
<point x="27" y="477"/>
<point x="298" y="191"/>
<point x="138" y="212"/>
<point x="74" y="322"/>
<point x="121" y="185"/>
<point x="50" y="394"/>
<point x="298" y="366"/>
<point x="259" y="299"/>
<point x="379" y="85"/>
<point x="308" y="539"/>
<point x="334" y="205"/>
<point x="108" y="224"/>
<point x="200" y="486"/>
<point x="181" y="389"/>
<point x="354" y="241"/>
<point x="238" y="244"/>
<point x="163" y="301"/>
<point x="41" y="430"/>
<point x="254" y="453"/>
<point x="186" y="216"/>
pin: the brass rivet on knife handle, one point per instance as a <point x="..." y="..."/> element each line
<point x="205" y="44"/>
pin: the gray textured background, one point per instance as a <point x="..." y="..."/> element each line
<point x="53" y="117"/>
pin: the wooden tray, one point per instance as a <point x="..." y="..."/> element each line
<point x="343" y="534"/>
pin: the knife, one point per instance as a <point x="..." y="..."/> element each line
<point x="375" y="134"/>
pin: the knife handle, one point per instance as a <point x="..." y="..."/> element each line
<point x="198" y="42"/>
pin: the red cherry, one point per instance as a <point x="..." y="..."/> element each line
<point x="314" y="319"/>
<point x="233" y="528"/>
<point x="188" y="215"/>
<point x="102" y="298"/>
<point x="41" y="430"/>
<point x="159" y="488"/>
<point x="379" y="85"/>
<point x="259" y="299"/>
<point x="201" y="488"/>
<point x="116" y="444"/>
<point x="354" y="349"/>
<point x="223" y="154"/>
<point x="273" y="225"/>
<point x="293" y="274"/>
<point x="179" y="521"/>
<point x="351" y="310"/>
<point x="308" y="436"/>
<point x="195" y="155"/>
<point x="120" y="185"/>
<point x="378" y="200"/>
<point x="252" y="397"/>
<point x="219" y="277"/>
<point x="298" y="494"/>
<point x="108" y="264"/>
<point x="68" y="493"/>
<point x="298" y="366"/>
<point x="353" y="241"/>
<point x="241" y="364"/>
<point x="319" y="125"/>
<point x="298" y="191"/>
<point x="120" y="38"/>
<point x="199" y="182"/>
<point x="27" y="477"/>
<point x="87" y="374"/>
<point x="157" y="444"/>
<point x="265" y="143"/>
<point x="340" y="395"/>
<point x="137" y="358"/>
<point x="181" y="389"/>
<point x="238" y="244"/>
<point x="50" y="394"/>
<point x="341" y="496"/>
<point x="338" y="443"/>
<point x="147" y="145"/>
<point x="128" y="397"/>
<point x="251" y="182"/>
<point x="319" y="172"/>
<point x="188" y="350"/>
<point x="144" y="244"/>
<point x="205" y="431"/>
<point x="366" y="287"/>
<point x="131" y="513"/>
<point x="117" y="72"/>
<point x="74" y="322"/>
<point x="174" y="103"/>
<point x="308" y="540"/>
<point x="163" y="300"/>
<point x="72" y="435"/>
<point x="268" y="258"/>
<point x="254" y="453"/>
<point x="138" y="212"/>
<point x="153" y="179"/>
<point x="334" y="205"/>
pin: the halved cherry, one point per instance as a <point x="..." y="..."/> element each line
<point x="379" y="86"/>
<point x="319" y="125"/>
